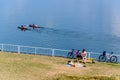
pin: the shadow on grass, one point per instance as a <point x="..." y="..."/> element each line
<point x="67" y="77"/>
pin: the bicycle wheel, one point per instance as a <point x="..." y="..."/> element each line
<point x="73" y="56"/>
<point x="113" y="59"/>
<point x="102" y="58"/>
<point x="69" y="55"/>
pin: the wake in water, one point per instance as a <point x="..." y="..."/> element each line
<point x="64" y="33"/>
<point x="59" y="32"/>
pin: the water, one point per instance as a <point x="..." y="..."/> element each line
<point x="90" y="24"/>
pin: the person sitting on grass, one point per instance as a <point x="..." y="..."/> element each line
<point x="70" y="63"/>
<point x="84" y="56"/>
<point x="73" y="64"/>
<point x="78" y="55"/>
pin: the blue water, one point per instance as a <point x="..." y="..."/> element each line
<point x="90" y="24"/>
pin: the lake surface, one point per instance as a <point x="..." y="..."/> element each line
<point x="90" y="24"/>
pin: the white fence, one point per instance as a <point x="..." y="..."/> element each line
<point x="33" y="50"/>
<point x="42" y="51"/>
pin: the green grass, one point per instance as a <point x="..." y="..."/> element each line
<point x="15" y="66"/>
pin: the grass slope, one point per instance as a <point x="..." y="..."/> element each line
<point x="30" y="67"/>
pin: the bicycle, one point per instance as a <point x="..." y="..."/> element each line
<point x="108" y="58"/>
<point x="71" y="54"/>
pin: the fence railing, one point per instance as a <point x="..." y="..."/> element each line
<point x="42" y="51"/>
<point x="33" y="50"/>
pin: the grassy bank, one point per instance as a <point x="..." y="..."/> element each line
<point x="30" y="67"/>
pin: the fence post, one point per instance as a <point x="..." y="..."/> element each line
<point x="89" y="54"/>
<point x="35" y="50"/>
<point x="18" y="49"/>
<point x="53" y="51"/>
<point x="2" y="47"/>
